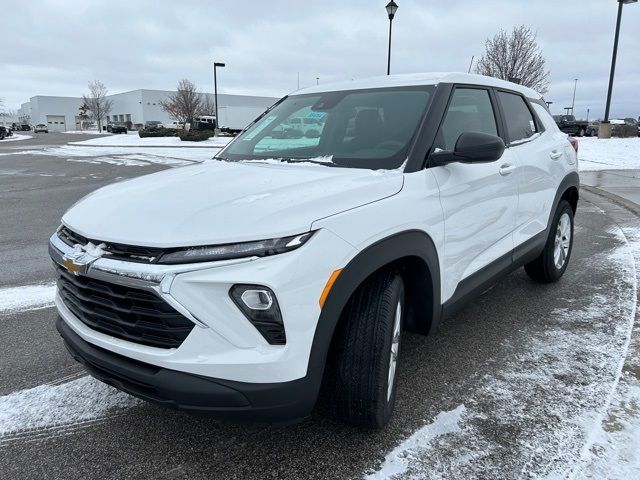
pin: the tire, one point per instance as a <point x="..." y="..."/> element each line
<point x="546" y="268"/>
<point x="365" y="375"/>
<point x="581" y="132"/>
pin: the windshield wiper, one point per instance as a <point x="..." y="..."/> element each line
<point x="326" y="160"/>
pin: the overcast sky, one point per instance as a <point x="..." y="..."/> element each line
<point x="55" y="47"/>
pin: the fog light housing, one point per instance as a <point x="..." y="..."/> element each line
<point x="259" y="304"/>
<point x="257" y="299"/>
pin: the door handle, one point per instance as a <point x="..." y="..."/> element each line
<point x="555" y="154"/>
<point x="506" y="169"/>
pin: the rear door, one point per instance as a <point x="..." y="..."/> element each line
<point x="479" y="200"/>
<point x="537" y="150"/>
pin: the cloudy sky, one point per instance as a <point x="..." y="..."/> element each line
<point x="54" y="47"/>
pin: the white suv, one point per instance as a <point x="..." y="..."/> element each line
<point x="240" y="286"/>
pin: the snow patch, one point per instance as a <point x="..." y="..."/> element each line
<point x="53" y="405"/>
<point x="608" y="154"/>
<point x="127" y="156"/>
<point x="134" y="140"/>
<point x="415" y="447"/>
<point x="26" y="297"/>
<point x="15" y="138"/>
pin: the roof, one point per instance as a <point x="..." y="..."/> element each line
<point x="411" y="79"/>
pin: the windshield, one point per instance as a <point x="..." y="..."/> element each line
<point x="358" y="128"/>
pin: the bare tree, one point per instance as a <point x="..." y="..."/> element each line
<point x="184" y="105"/>
<point x="208" y="106"/>
<point x="97" y="103"/>
<point x="515" y="56"/>
<point x="3" y="112"/>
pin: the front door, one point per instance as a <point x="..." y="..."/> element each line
<point x="479" y="201"/>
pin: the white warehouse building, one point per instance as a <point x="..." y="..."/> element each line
<point x="137" y="106"/>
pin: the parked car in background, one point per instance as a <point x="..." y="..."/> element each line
<point x="633" y="122"/>
<point x="406" y="205"/>
<point x="41" y="128"/>
<point x="25" y="127"/>
<point x="593" y="128"/>
<point x="117" y="128"/>
<point x="569" y="124"/>
<point x="152" y="124"/>
<point x="624" y="127"/>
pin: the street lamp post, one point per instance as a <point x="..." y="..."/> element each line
<point x="573" y="102"/>
<point x="606" y="131"/>
<point x="215" y="90"/>
<point x="391" y="7"/>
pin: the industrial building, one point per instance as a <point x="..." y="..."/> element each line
<point x="137" y="106"/>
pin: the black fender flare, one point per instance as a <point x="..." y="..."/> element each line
<point x="572" y="179"/>
<point x="411" y="243"/>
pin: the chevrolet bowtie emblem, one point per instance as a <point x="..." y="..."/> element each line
<point x="72" y="266"/>
<point x="79" y="260"/>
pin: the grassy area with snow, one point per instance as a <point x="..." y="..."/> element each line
<point x="608" y="154"/>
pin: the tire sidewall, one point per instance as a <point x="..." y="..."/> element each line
<point x="556" y="273"/>
<point x="397" y="287"/>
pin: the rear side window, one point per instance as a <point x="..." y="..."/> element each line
<point x="470" y="110"/>
<point x="520" y="122"/>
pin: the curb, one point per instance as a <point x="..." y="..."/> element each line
<point x="623" y="202"/>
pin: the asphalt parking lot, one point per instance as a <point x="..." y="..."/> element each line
<point x="511" y="387"/>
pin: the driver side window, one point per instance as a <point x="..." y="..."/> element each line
<point x="470" y="110"/>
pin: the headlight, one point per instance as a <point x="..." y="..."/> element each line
<point x="259" y="248"/>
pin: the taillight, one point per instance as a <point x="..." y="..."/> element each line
<point x="574" y="143"/>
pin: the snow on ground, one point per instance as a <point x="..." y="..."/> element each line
<point x="416" y="446"/>
<point x="26" y="297"/>
<point x="16" y="137"/>
<point x="608" y="154"/>
<point x="133" y="140"/>
<point x="560" y="395"/>
<point x="128" y="156"/>
<point x="70" y="403"/>
<point x="613" y="451"/>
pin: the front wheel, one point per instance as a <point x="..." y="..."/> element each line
<point x="553" y="260"/>
<point x="368" y="347"/>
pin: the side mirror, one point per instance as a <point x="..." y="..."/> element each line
<point x="471" y="147"/>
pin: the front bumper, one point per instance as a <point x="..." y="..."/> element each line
<point x="268" y="402"/>
<point x="223" y="344"/>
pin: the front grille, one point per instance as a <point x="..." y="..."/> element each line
<point x="117" y="251"/>
<point x="128" y="313"/>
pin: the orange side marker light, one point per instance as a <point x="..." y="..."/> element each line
<point x="327" y="287"/>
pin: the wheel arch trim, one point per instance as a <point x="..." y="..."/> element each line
<point x="403" y="245"/>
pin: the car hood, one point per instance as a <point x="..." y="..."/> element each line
<point x="224" y="202"/>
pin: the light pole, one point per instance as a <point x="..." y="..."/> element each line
<point x="391" y="10"/>
<point x="573" y="102"/>
<point x="606" y="131"/>
<point x="215" y="90"/>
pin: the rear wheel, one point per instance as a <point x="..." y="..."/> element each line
<point x="367" y="350"/>
<point x="581" y="132"/>
<point x="553" y="260"/>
